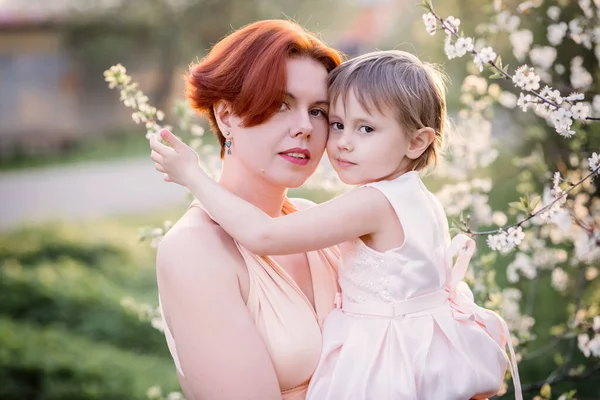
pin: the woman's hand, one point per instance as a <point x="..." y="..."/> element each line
<point x="178" y="163"/>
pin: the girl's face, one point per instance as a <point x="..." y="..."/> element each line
<point x="286" y="149"/>
<point x="365" y="145"/>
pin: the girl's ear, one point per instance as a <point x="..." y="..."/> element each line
<point x="419" y="142"/>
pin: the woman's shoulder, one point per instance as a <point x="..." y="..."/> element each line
<point x="196" y="246"/>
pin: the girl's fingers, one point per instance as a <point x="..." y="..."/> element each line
<point x="159" y="167"/>
<point x="158" y="147"/>
<point x="157" y="158"/>
<point x="172" y="140"/>
<point x="166" y="178"/>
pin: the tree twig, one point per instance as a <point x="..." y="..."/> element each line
<point x="541" y="210"/>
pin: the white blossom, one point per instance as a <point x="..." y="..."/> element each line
<point x="521" y="42"/>
<point x="543" y="56"/>
<point x="463" y="45"/>
<point x="515" y="235"/>
<point x="524" y="101"/>
<point x="556" y="179"/>
<point x="594" y="161"/>
<point x="522" y="263"/>
<point x="580" y="77"/>
<point x="596" y="104"/>
<point x="507" y="22"/>
<point x="486" y="55"/>
<point x="575" y="96"/>
<point x="158" y="324"/>
<point x="508" y="100"/>
<point x="594" y="346"/>
<point x="582" y="342"/>
<point x="430" y="23"/>
<point x="556" y="33"/>
<point x="553" y="13"/>
<point x="560" y="279"/>
<point x="499" y="218"/>
<point x="586" y="6"/>
<point x="580" y="110"/>
<point x="449" y="48"/>
<point x="526" y="78"/>
<point x="452" y="24"/>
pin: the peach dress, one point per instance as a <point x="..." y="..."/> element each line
<point x="407" y="327"/>
<point x="285" y="318"/>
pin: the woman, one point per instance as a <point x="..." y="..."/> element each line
<point x="241" y="326"/>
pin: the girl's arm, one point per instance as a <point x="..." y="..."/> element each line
<point x="357" y="213"/>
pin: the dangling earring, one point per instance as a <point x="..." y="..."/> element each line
<point x="228" y="143"/>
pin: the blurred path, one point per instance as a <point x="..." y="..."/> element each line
<point x="83" y="191"/>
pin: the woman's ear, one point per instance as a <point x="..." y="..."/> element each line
<point x="223" y="115"/>
<point x="419" y="142"/>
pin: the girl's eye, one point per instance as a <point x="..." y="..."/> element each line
<point x="366" y="129"/>
<point x="317" y="112"/>
<point x="284" y="106"/>
<point x="337" y="126"/>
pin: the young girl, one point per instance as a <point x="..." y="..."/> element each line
<point x="406" y="326"/>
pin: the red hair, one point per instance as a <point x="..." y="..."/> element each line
<point x="247" y="69"/>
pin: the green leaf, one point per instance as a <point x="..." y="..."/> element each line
<point x="534" y="201"/>
<point x="518" y="206"/>
<point x="426" y="5"/>
<point x="498" y="62"/>
<point x="546" y="391"/>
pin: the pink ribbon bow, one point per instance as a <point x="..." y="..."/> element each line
<point x="463" y="304"/>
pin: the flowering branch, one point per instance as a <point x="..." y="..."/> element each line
<point x="560" y="110"/>
<point x="596" y="170"/>
<point x="134" y="98"/>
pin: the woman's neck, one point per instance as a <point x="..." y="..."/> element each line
<point x="253" y="188"/>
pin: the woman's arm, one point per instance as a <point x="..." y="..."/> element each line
<point x="355" y="214"/>
<point x="221" y="353"/>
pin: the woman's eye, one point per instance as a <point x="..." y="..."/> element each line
<point x="284" y="106"/>
<point x="337" y="126"/>
<point x="365" y="129"/>
<point x="317" y="112"/>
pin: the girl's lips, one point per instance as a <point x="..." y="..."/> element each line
<point x="344" y="163"/>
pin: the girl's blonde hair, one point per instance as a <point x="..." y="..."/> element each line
<point x="398" y="81"/>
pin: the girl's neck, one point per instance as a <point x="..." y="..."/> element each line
<point x="253" y="187"/>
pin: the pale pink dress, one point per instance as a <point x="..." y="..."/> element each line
<point x="407" y="326"/>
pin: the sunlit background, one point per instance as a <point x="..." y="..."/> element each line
<point x="80" y="201"/>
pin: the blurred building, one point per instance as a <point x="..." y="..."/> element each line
<point x="49" y="96"/>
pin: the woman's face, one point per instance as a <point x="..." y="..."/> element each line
<point x="287" y="148"/>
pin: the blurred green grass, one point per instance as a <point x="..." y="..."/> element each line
<point x="63" y="331"/>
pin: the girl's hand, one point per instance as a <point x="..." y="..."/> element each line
<point x="178" y="163"/>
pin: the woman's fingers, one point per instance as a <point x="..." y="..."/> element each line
<point x="166" y="178"/>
